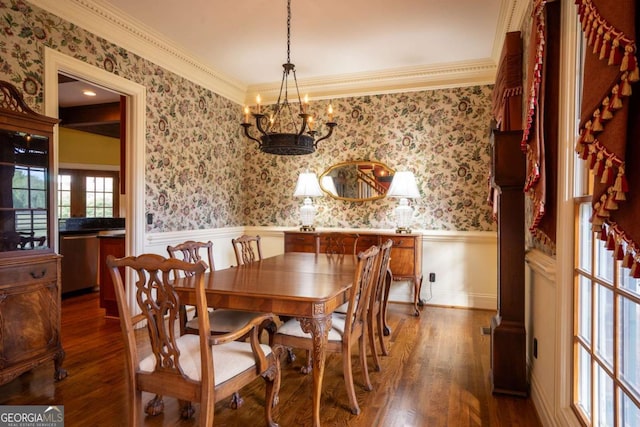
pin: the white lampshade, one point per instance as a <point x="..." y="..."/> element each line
<point x="404" y="187"/>
<point x="307" y="187"/>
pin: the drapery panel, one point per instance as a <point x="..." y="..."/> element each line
<point x="540" y="133"/>
<point x="609" y="124"/>
<point x="507" y="92"/>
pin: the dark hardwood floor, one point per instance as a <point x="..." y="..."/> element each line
<point x="437" y="374"/>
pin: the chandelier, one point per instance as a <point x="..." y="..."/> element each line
<point x="287" y="130"/>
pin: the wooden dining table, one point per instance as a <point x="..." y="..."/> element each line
<point x="306" y="286"/>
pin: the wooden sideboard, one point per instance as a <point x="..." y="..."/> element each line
<point x="406" y="253"/>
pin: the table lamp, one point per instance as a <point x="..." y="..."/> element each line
<point x="403" y="186"/>
<point x="307" y="187"/>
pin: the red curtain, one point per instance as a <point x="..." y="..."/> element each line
<point x="610" y="124"/>
<point x="540" y="135"/>
<point x="507" y="92"/>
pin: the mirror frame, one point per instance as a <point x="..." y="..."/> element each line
<point x="353" y="163"/>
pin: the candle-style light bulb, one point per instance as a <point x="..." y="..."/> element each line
<point x="258" y="99"/>
<point x="305" y="103"/>
<point x="330" y="112"/>
<point x="246" y="114"/>
<point x="310" y="122"/>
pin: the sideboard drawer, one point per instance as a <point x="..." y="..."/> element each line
<point x="300" y="242"/>
<point x="404" y="242"/>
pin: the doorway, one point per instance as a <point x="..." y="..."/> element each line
<point x="132" y="202"/>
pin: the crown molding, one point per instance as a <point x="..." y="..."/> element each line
<point x="412" y="79"/>
<point x="101" y="19"/>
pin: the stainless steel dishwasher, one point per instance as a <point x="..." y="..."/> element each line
<point x="80" y="261"/>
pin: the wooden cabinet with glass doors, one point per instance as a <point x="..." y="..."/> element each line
<point x="29" y="267"/>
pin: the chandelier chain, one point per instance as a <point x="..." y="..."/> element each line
<point x="288" y="31"/>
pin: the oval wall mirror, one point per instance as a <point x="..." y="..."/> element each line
<point x="357" y="181"/>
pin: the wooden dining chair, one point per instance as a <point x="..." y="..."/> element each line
<point x="200" y="368"/>
<point x="221" y="321"/>
<point x="339" y="243"/>
<point x="377" y="302"/>
<point x="345" y="330"/>
<point x="247" y="249"/>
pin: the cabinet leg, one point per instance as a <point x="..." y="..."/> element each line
<point x="59" y="373"/>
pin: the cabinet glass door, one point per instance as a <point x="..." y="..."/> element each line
<point x="24" y="163"/>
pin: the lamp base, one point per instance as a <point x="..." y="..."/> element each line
<point x="401" y="230"/>
<point x="307" y="228"/>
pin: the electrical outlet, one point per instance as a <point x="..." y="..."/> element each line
<point x="535" y="348"/>
<point x="432" y="277"/>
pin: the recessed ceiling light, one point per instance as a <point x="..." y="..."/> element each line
<point x="89" y="93"/>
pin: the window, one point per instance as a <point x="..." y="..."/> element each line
<point x="64" y="196"/>
<point x="606" y="333"/>
<point x="91" y="194"/>
<point x="99" y="196"/>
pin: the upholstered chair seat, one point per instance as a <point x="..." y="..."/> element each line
<point x="223" y="320"/>
<point x="229" y="359"/>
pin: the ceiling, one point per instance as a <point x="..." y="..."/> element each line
<point x="246" y="39"/>
<point x="338" y="46"/>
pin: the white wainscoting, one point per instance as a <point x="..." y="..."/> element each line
<point x="465" y="263"/>
<point x="541" y="324"/>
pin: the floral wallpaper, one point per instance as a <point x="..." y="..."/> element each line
<point x="194" y="154"/>
<point x="440" y="135"/>
<point x="202" y="173"/>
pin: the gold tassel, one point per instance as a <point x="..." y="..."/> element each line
<point x="625" y="89"/>
<point x="611" y="204"/>
<point x="619" y="179"/>
<point x="616" y="102"/>
<point x="587" y="135"/>
<point x="598" y="39"/>
<point x="605" y="44"/>
<point x="598" y="166"/>
<point x="592" y="30"/>
<point x="634" y="75"/>
<point x="624" y="65"/>
<point x="607" y="174"/>
<point x="597" y="125"/>
<point x="613" y="54"/>
<point x="627" y="260"/>
<point x="606" y="112"/>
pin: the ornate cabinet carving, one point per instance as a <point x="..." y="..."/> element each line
<point x="406" y="253"/>
<point x="29" y="269"/>
<point x="508" y="333"/>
